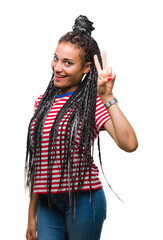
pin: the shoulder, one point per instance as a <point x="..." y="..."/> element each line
<point x="37" y="101"/>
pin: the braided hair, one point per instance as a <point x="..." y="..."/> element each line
<point x="78" y="111"/>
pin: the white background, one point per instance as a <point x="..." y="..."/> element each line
<point x="131" y="33"/>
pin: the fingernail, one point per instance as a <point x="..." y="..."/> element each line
<point x="109" y="78"/>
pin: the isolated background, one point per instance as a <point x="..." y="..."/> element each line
<point x="131" y="33"/>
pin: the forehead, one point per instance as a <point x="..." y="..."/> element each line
<point x="68" y="50"/>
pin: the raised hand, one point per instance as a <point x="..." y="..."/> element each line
<point x="106" y="78"/>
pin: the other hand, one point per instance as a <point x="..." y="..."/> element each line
<point x="31" y="229"/>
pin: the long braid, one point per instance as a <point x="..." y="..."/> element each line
<point x="33" y="146"/>
<point x="79" y="114"/>
<point x="74" y="105"/>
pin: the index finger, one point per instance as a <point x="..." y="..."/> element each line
<point x="97" y="64"/>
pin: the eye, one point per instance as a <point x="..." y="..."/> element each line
<point x="68" y="63"/>
<point x="55" y="58"/>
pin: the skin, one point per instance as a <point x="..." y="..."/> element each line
<point x="32" y="223"/>
<point x="118" y="126"/>
<point x="67" y="62"/>
<point x="32" y="212"/>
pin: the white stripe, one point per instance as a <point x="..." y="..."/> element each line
<point x="65" y="189"/>
<point x="64" y="184"/>
<point x="57" y="171"/>
<point x="93" y="180"/>
<point x="65" y="176"/>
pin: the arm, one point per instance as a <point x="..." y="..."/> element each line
<point x="118" y="127"/>
<point x="32" y="211"/>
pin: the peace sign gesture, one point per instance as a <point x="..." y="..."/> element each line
<point x="106" y="78"/>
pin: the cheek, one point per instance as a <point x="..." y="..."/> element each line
<point x="52" y="64"/>
<point x="75" y="71"/>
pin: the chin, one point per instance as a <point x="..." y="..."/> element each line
<point x="57" y="84"/>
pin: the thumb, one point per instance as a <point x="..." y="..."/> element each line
<point x="28" y="236"/>
<point x="34" y="237"/>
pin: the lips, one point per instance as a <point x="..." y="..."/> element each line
<point x="59" y="77"/>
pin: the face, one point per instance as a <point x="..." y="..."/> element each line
<point x="67" y="67"/>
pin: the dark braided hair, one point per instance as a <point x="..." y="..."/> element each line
<point x="78" y="111"/>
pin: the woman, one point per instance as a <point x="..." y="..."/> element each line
<point x="67" y="200"/>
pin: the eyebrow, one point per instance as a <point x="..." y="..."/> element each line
<point x="68" y="59"/>
<point x="65" y="59"/>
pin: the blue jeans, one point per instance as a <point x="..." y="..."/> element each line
<point x="55" y="223"/>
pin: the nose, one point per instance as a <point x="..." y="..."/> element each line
<point x="57" y="66"/>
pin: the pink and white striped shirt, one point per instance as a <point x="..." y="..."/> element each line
<point x="40" y="177"/>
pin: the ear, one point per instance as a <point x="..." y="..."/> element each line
<point x="87" y="67"/>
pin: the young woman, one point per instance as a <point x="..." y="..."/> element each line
<point x="67" y="199"/>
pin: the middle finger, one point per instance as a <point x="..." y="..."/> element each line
<point x="104" y="60"/>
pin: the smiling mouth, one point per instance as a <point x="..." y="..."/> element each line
<point x="59" y="77"/>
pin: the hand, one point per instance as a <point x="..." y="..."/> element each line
<point x="104" y="85"/>
<point x="31" y="229"/>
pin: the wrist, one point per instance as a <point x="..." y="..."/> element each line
<point x="32" y="217"/>
<point x="32" y="214"/>
<point x="106" y="98"/>
<point x="110" y="103"/>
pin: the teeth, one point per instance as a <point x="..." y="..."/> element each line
<point x="60" y="76"/>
